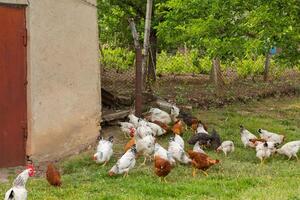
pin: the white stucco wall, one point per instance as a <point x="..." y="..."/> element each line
<point x="21" y="2"/>
<point x="63" y="77"/>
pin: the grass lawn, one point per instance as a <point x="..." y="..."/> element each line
<point x="239" y="176"/>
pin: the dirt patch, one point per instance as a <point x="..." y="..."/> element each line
<point x="199" y="92"/>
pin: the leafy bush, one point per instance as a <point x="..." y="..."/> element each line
<point x="249" y="66"/>
<point x="118" y="58"/>
<point x="181" y="63"/>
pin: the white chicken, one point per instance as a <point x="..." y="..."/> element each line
<point x="271" y="137"/>
<point x="174" y="113"/>
<point x="18" y="191"/>
<point x="263" y="151"/>
<point x="178" y="139"/>
<point x="133" y="120"/>
<point x="163" y="153"/>
<point x="128" y="129"/>
<point x="156" y="114"/>
<point x="178" y="152"/>
<point x="201" y="129"/>
<point x="290" y="149"/>
<point x="246" y="136"/>
<point x="156" y="129"/>
<point x="197" y="148"/>
<point x="145" y="146"/>
<point x="143" y="131"/>
<point x="104" y="151"/>
<point x="271" y="145"/>
<point x="226" y="147"/>
<point x="125" y="163"/>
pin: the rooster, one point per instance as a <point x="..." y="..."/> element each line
<point x="163" y="153"/>
<point x="290" y="149"/>
<point x="178" y="152"/>
<point x="128" y="129"/>
<point x="178" y="127"/>
<point x="201" y="161"/>
<point x="246" y="136"/>
<point x="129" y="144"/>
<point x="162" y="167"/>
<point x="271" y="137"/>
<point x="125" y="163"/>
<point x="104" y="150"/>
<point x="18" y="191"/>
<point x="53" y="175"/>
<point x="226" y="147"/>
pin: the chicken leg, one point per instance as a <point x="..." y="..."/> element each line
<point x="205" y="173"/>
<point x="104" y="163"/>
<point x="194" y="172"/>
<point x="144" y="163"/>
<point x="125" y="175"/>
<point x="165" y="180"/>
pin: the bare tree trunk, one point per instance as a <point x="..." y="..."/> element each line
<point x="152" y="63"/>
<point x="267" y="66"/>
<point x="146" y="36"/>
<point x="216" y="74"/>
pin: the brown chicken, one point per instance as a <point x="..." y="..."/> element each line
<point x="254" y="141"/>
<point x="201" y="161"/>
<point x="53" y="175"/>
<point x="178" y="127"/>
<point x="195" y="123"/>
<point x="162" y="125"/>
<point x="162" y="167"/>
<point x="129" y="144"/>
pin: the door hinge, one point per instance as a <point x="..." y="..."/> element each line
<point x="25" y="37"/>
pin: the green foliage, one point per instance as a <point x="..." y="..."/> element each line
<point x="181" y="63"/>
<point x="250" y="66"/>
<point x="118" y="58"/>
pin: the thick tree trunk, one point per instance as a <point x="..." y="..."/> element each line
<point x="216" y="74"/>
<point x="267" y="66"/>
<point x="152" y="61"/>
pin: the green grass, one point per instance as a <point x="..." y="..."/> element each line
<point x="238" y="176"/>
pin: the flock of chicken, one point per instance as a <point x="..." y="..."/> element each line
<point x="143" y="133"/>
<point x="142" y="142"/>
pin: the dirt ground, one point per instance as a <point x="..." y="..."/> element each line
<point x="198" y="91"/>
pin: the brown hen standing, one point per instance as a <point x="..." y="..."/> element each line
<point x="178" y="127"/>
<point x="53" y="175"/>
<point x="201" y="161"/>
<point x="162" y="167"/>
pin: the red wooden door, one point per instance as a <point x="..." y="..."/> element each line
<point x="13" y="123"/>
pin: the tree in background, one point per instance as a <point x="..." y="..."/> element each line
<point x="270" y="24"/>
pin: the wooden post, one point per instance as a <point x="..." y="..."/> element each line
<point x="146" y="37"/>
<point x="267" y="66"/>
<point x="138" y="69"/>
